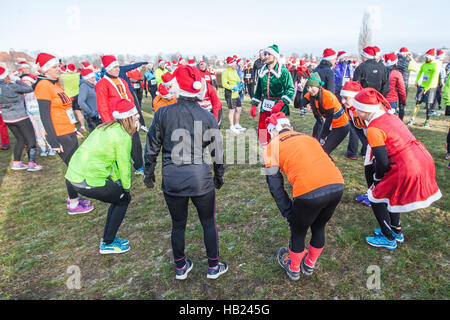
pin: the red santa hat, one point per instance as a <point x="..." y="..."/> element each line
<point x="276" y="120"/>
<point x="175" y="63"/>
<point x="390" y="59"/>
<point x="329" y="54"/>
<point x="230" y="61"/>
<point x="30" y="77"/>
<point x="369" y="53"/>
<point x="161" y="62"/>
<point x="192" y="62"/>
<point x="341" y="54"/>
<point x="71" y="68"/>
<point x="189" y="81"/>
<point x="202" y="62"/>
<point x="87" y="73"/>
<point x="162" y="90"/>
<point x="24" y="64"/>
<point x="87" y="65"/>
<point x="440" y="53"/>
<point x="404" y="50"/>
<point x="166" y="64"/>
<point x="45" y="61"/>
<point x="181" y="60"/>
<point x="63" y="70"/>
<point x="168" y="78"/>
<point x="303" y="71"/>
<point x="122" y="108"/>
<point x="351" y="89"/>
<point x="3" y="73"/>
<point x="109" y="62"/>
<point x="370" y="100"/>
<point x="431" y="54"/>
<point x="378" y="51"/>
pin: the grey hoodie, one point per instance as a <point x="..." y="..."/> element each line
<point x="11" y="100"/>
<point x="87" y="99"/>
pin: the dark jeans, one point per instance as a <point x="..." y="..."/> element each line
<point x="112" y="193"/>
<point x="388" y="221"/>
<point x="92" y="122"/>
<point x="206" y="208"/>
<point x="251" y="89"/>
<point x="355" y="135"/>
<point x="69" y="142"/>
<point x="335" y="138"/>
<point x="313" y="210"/>
<point x="317" y="128"/>
<point x="24" y="132"/>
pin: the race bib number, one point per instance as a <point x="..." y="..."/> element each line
<point x="425" y="78"/>
<point x="153" y="82"/>
<point x="248" y="76"/>
<point x="136" y="85"/>
<point x="71" y="116"/>
<point x="267" y="105"/>
<point x="207" y="78"/>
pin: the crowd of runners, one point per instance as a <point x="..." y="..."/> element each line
<point x="52" y="105"/>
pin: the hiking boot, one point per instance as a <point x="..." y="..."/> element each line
<point x="380" y="241"/>
<point x="306" y="270"/>
<point x="80" y="208"/>
<point x="214" y="273"/>
<point x="397" y="236"/>
<point x="182" y="273"/>
<point x="18" y="165"/>
<point x="33" y="167"/>
<point x="285" y="263"/>
<point x="113" y="247"/>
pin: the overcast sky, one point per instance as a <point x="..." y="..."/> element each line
<point x="223" y="28"/>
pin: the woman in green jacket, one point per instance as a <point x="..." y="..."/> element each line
<point x="101" y="169"/>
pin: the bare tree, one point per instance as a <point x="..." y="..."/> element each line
<point x="365" y="34"/>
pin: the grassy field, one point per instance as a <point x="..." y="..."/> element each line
<point x="39" y="241"/>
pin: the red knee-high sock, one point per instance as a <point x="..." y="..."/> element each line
<point x="296" y="259"/>
<point x="313" y="255"/>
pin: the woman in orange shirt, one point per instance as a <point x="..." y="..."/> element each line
<point x="316" y="193"/>
<point x="325" y="105"/>
<point x="59" y="121"/>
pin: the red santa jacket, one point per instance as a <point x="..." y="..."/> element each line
<point x="135" y="77"/>
<point x="211" y="102"/>
<point x="207" y="75"/>
<point x="396" y="88"/>
<point x="108" y="89"/>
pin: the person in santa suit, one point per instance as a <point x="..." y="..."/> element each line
<point x="212" y="72"/>
<point x="274" y="91"/>
<point x="300" y="77"/>
<point x="136" y="80"/>
<point x="212" y="103"/>
<point x="404" y="178"/>
<point x="165" y="95"/>
<point x="204" y="72"/>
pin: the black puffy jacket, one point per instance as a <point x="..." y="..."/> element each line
<point x="326" y="74"/>
<point x="402" y="66"/>
<point x="184" y="130"/>
<point x="374" y="75"/>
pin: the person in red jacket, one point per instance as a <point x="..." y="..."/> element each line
<point x="110" y="87"/>
<point x="204" y="72"/>
<point x="396" y="83"/>
<point x="212" y="103"/>
<point x="3" y="134"/>
<point x="136" y="79"/>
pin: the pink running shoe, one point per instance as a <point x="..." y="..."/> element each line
<point x="84" y="202"/>
<point x="80" y="209"/>
<point x="33" y="167"/>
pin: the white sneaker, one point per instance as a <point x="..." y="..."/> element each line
<point x="239" y="127"/>
<point x="233" y="129"/>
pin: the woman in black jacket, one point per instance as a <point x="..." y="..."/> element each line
<point x="183" y="131"/>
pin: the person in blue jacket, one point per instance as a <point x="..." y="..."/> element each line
<point x="150" y="80"/>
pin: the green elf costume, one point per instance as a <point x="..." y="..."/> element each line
<point x="274" y="92"/>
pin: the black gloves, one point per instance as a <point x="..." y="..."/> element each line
<point x="218" y="181"/>
<point x="149" y="181"/>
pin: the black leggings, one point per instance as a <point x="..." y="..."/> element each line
<point x="389" y="221"/>
<point x="136" y="151"/>
<point x="206" y="208"/>
<point x="24" y="133"/>
<point x="313" y="210"/>
<point x="112" y="193"/>
<point x="69" y="142"/>
<point x="335" y="138"/>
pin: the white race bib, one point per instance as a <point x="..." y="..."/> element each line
<point x="248" y="76"/>
<point x="207" y="78"/>
<point x="153" y="82"/>
<point x="71" y="116"/>
<point x="267" y="105"/>
<point x="136" y="85"/>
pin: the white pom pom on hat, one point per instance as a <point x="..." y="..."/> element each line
<point x="197" y="85"/>
<point x="115" y="114"/>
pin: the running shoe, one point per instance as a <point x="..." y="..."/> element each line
<point x="217" y="271"/>
<point x="397" y="236"/>
<point x="51" y="152"/>
<point x="234" y="129"/>
<point x="306" y="270"/>
<point x="426" y="124"/>
<point x="380" y="241"/>
<point x="364" y="199"/>
<point x="33" y="167"/>
<point x="182" y="273"/>
<point x="80" y="208"/>
<point x="43" y="153"/>
<point x="122" y="242"/>
<point x="239" y="127"/>
<point x="447" y="156"/>
<point x="139" y="171"/>
<point x="411" y="122"/>
<point x="351" y="157"/>
<point x="84" y="202"/>
<point x="435" y="114"/>
<point x="18" y="165"/>
<point x="285" y="262"/>
<point x="113" y="247"/>
<point x="4" y="146"/>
